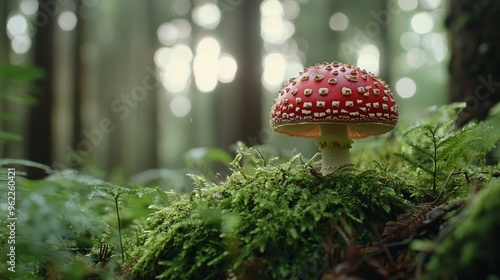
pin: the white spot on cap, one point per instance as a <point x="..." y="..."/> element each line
<point x="323" y="91"/>
<point x="346" y="91"/>
<point x="332" y="81"/>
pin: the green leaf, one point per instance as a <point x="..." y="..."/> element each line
<point x="20" y="73"/>
<point x="6" y="136"/>
<point x="24" y="162"/>
<point x="293" y="233"/>
<point x="197" y="156"/>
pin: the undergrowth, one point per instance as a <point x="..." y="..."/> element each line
<point x="404" y="212"/>
<point x="266" y="223"/>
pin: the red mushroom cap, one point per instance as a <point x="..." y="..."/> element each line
<point x="334" y="93"/>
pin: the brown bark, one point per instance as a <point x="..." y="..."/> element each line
<point x="475" y="62"/>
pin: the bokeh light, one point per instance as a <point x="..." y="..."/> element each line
<point x="67" y="21"/>
<point x="368" y="58"/>
<point x="167" y="33"/>
<point x="407" y="5"/>
<point x="422" y="23"/>
<point x="180" y="7"/>
<point x="28" y="7"/>
<point x="415" y="58"/>
<point x="17" y="25"/>
<point x="226" y="68"/>
<point x="21" y="44"/>
<point x="274" y="28"/>
<point x="207" y="15"/>
<point x="174" y="31"/>
<point x="293" y="66"/>
<point x="180" y="106"/>
<point x="406" y="87"/>
<point x="291" y="9"/>
<point x="205" y="64"/>
<point x="271" y="8"/>
<point x="409" y="40"/>
<point x="338" y="22"/>
<point x="436" y="46"/>
<point x="430" y="4"/>
<point x="18" y="32"/>
<point x="174" y="67"/>
<point x="274" y="70"/>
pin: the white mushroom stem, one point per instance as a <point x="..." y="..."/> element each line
<point x="334" y="145"/>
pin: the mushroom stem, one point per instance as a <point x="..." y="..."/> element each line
<point x="334" y="145"/>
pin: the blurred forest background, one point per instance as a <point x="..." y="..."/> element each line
<point x="133" y="85"/>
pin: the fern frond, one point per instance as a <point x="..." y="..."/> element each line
<point x="422" y="128"/>
<point x="414" y="162"/>
<point x="421" y="149"/>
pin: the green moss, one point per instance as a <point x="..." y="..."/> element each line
<point x="272" y="223"/>
<point x="470" y="251"/>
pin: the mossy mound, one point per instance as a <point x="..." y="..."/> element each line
<point x="275" y="222"/>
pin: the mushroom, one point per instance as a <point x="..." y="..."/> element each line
<point x="334" y="103"/>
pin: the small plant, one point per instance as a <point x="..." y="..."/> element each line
<point x="437" y="148"/>
<point x="67" y="226"/>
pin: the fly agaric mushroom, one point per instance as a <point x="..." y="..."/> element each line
<point x="334" y="103"/>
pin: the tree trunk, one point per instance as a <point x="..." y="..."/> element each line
<point x="4" y="59"/>
<point x="475" y="62"/>
<point x="78" y="80"/>
<point x="239" y="117"/>
<point x="40" y="122"/>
